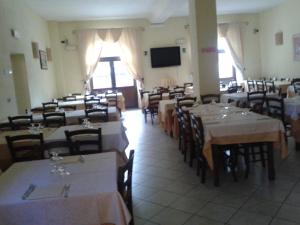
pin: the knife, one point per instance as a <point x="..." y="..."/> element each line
<point x="29" y="190"/>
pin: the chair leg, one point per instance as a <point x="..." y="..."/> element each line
<point x="192" y="154"/>
<point x="233" y="162"/>
<point x="198" y="167"/>
<point x="262" y="156"/>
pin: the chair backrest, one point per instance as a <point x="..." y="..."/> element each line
<point x="5" y="126"/>
<point x="178" y="88"/>
<point x="67" y="107"/>
<point x="260" y="85"/>
<point x="90" y="103"/>
<point x="143" y="92"/>
<point x="187" y="85"/>
<point x="61" y="147"/>
<point x="162" y="90"/>
<point x="97" y="114"/>
<point x="55" y="119"/>
<point x="256" y="101"/>
<point x="275" y="107"/>
<point x="26" y="147"/>
<point x="178" y="94"/>
<point x="206" y="99"/>
<point x="233" y="89"/>
<point x="296" y="86"/>
<point x="69" y="98"/>
<point x="270" y="86"/>
<point x="179" y="116"/>
<point x="295" y="80"/>
<point x="76" y="94"/>
<point x="125" y="181"/>
<point x="186" y="101"/>
<point x="84" y="141"/>
<point x="198" y="131"/>
<point x="186" y="123"/>
<point x="112" y="98"/>
<point x="50" y="106"/>
<point x="153" y="100"/>
<point x="251" y="85"/>
<point x="20" y="122"/>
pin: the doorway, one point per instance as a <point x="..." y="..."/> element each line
<point x="21" y="82"/>
<point x="111" y="73"/>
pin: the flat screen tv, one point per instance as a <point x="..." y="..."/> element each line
<point x="165" y="57"/>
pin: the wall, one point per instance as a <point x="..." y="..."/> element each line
<point x="277" y="61"/>
<point x="67" y="61"/>
<point x="15" y="14"/>
<point x="250" y="40"/>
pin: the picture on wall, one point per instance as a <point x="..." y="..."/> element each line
<point x="296" y="42"/>
<point x="43" y="60"/>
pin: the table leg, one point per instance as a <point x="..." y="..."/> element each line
<point x="216" y="165"/>
<point x="271" y="170"/>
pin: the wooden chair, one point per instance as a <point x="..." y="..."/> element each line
<point x="260" y="85"/>
<point x="69" y="98"/>
<point x="76" y="94"/>
<point x="26" y="147"/>
<point x="177" y="94"/>
<point x="49" y="106"/>
<point x="60" y="147"/>
<point x="112" y="99"/>
<point x="186" y="101"/>
<point x="270" y="86"/>
<point x="91" y="103"/>
<point x="97" y="115"/>
<point x="152" y="108"/>
<point x="84" y="141"/>
<point x="296" y="86"/>
<point x="67" y="108"/>
<point x="187" y="85"/>
<point x="206" y="99"/>
<point x="256" y="101"/>
<point x="188" y="141"/>
<point x="179" y="88"/>
<point x="5" y="126"/>
<point x="55" y="119"/>
<point x="125" y="183"/>
<point x="197" y="127"/>
<point x="20" y="122"/>
<point x="251" y="85"/>
<point x="180" y="126"/>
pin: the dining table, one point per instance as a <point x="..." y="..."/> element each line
<point x="242" y="97"/>
<point x="242" y="127"/>
<point x="85" y="192"/>
<point x="113" y="137"/>
<point x="72" y="116"/>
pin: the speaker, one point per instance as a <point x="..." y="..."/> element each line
<point x="35" y="50"/>
<point x="49" y="54"/>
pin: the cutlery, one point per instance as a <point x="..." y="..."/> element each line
<point x="29" y="190"/>
<point x="66" y="190"/>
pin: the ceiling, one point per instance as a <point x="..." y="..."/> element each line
<point x="156" y="11"/>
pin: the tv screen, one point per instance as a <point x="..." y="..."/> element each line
<point x="164" y="57"/>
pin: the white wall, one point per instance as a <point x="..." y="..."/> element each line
<point x="67" y="62"/>
<point x="14" y="14"/>
<point x="250" y="41"/>
<point x="277" y="61"/>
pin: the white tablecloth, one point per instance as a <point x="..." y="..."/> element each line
<point x="240" y="96"/>
<point x="93" y="196"/>
<point x="218" y="118"/>
<point x="292" y="107"/>
<point x="113" y="135"/>
<point x="164" y="106"/>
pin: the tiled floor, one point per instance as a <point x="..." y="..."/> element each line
<point x="167" y="191"/>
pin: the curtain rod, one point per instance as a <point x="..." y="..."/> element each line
<point x="137" y="28"/>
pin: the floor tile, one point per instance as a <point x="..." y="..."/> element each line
<point x="216" y="212"/>
<point x="197" y="220"/>
<point x="282" y="222"/>
<point x="260" y="206"/>
<point x="188" y="205"/>
<point x="290" y="213"/>
<point x="247" y="218"/>
<point x="230" y="200"/>
<point x="171" y="217"/>
<point x="294" y="199"/>
<point x="163" y="198"/>
<point x="179" y="188"/>
<point x="146" y="210"/>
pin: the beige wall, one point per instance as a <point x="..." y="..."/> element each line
<point x="67" y="61"/>
<point x="277" y="61"/>
<point x="15" y="14"/>
<point x="250" y="41"/>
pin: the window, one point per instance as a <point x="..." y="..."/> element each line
<point x="226" y="64"/>
<point x="110" y="71"/>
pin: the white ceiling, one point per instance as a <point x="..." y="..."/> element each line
<point x="156" y="11"/>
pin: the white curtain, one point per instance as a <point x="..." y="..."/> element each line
<point x="92" y="41"/>
<point x="232" y="34"/>
<point x="90" y="46"/>
<point x="131" y="52"/>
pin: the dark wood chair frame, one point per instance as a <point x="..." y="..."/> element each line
<point x="206" y="99"/>
<point x="55" y="119"/>
<point x="20" y="122"/>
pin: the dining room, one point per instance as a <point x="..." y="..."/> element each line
<point x="166" y="112"/>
